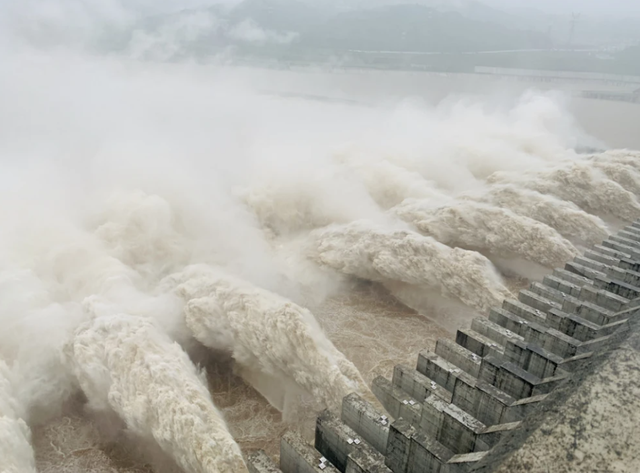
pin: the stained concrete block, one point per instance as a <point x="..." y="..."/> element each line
<point x="477" y="343"/>
<point x="481" y="400"/>
<point x="524" y="311"/>
<point x="396" y="401"/>
<point x="620" y="288"/>
<point x="634" y="254"/>
<point x="427" y="454"/>
<point x="530" y="331"/>
<point x="543" y="363"/>
<point x="334" y="439"/>
<point x="509" y="377"/>
<point x="532" y="358"/>
<point x="360" y="461"/>
<point x="624" y="241"/>
<point x="439" y="370"/>
<point x="587" y="310"/>
<point x="601" y="257"/>
<point x="620" y="255"/>
<point x="630" y="264"/>
<point x="561" y="285"/>
<point x="493" y="331"/>
<point x="550" y="339"/>
<point x="603" y="297"/>
<point x="591" y="264"/>
<point x="459" y="356"/>
<point x="398" y="454"/>
<point x="633" y="230"/>
<point x="629" y="235"/>
<point x="296" y="456"/>
<point x="583" y="271"/>
<point x="580" y="328"/>
<point x="515" y="381"/>
<point x="561" y="344"/>
<point x="537" y="302"/>
<point x="466" y="395"/>
<point x="571" y="278"/>
<point x="339" y="443"/>
<point x="417" y="385"/>
<point x="450" y="425"/>
<point x="548" y="292"/>
<point x="631" y="277"/>
<point x="366" y="421"/>
<point x="260" y="462"/>
<point x="495" y="406"/>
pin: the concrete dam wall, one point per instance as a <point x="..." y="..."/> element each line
<point x="547" y="382"/>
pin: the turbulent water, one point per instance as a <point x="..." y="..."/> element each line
<point x="276" y="342"/>
<point x="488" y="228"/>
<point x="158" y="217"/>
<point x="373" y="253"/>
<point x="565" y="217"/>
<point x="123" y="363"/>
<point x="16" y="455"/>
<point x="581" y="184"/>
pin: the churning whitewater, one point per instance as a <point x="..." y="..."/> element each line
<point x="580" y="183"/>
<point x="125" y="364"/>
<point x="276" y="342"/>
<point x="565" y="217"/>
<point x="376" y="254"/>
<point x="487" y="228"/>
<point x="174" y="210"/>
<point x="16" y="453"/>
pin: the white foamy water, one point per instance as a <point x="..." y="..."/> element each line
<point x="119" y="177"/>
<point x="565" y="217"/>
<point x="123" y="363"/>
<point x="581" y="184"/>
<point x="484" y="227"/>
<point x="16" y="452"/>
<point x="370" y="252"/>
<point x="278" y="344"/>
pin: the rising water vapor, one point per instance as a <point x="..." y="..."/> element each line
<point x="266" y="334"/>
<point x="563" y="216"/>
<point x="487" y="226"/>
<point x="125" y="364"/>
<point x="378" y="254"/>
<point x="581" y="184"/>
<point x="389" y="183"/>
<point x="16" y="452"/>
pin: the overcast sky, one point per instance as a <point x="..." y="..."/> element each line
<point x="587" y="7"/>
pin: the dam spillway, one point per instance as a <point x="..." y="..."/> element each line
<point x="514" y="392"/>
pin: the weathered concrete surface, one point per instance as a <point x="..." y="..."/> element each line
<point x="598" y="428"/>
<point x="590" y="424"/>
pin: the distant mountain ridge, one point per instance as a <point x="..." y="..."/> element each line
<point x="398" y="27"/>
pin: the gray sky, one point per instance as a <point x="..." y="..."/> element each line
<point x="587" y="7"/>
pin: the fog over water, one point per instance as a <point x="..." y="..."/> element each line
<point x="195" y="256"/>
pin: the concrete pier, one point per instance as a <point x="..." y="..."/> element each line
<point x="469" y="404"/>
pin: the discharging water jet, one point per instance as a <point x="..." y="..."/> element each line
<point x="375" y="253"/>
<point x="125" y="364"/>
